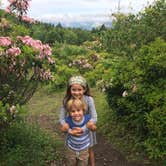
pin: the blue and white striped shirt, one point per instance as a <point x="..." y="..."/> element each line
<point x="83" y="141"/>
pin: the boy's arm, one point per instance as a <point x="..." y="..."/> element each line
<point x="66" y="127"/>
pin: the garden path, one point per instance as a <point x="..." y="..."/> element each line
<point x="45" y="112"/>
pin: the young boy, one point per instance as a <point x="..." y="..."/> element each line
<point x="77" y="146"/>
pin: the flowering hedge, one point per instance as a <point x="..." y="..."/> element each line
<point x="24" y="63"/>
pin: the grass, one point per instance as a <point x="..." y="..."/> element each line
<point x="44" y="103"/>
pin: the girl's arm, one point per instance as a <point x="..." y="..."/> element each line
<point x="75" y="132"/>
<point x="62" y="115"/>
<point x="92" y="109"/>
<point x="91" y="126"/>
<point x="64" y="126"/>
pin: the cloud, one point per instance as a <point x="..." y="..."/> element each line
<point x="67" y="18"/>
<point x="81" y="10"/>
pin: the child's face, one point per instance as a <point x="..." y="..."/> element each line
<point x="76" y="114"/>
<point x="77" y="91"/>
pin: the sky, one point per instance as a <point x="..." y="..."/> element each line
<point x="81" y="10"/>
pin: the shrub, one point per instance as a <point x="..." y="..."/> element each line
<point x="136" y="93"/>
<point x="23" y="144"/>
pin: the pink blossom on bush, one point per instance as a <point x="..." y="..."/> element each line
<point x="20" y="4"/>
<point x="20" y="7"/>
<point x="8" y="9"/>
<point x="27" y="19"/>
<point x="5" y="41"/>
<point x="46" y="49"/>
<point x="43" y="74"/>
<point x="12" y="1"/>
<point x="42" y="53"/>
<point x="51" y="61"/>
<point x="14" y="51"/>
<point x="37" y="44"/>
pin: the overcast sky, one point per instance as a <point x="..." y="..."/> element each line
<point x="81" y="10"/>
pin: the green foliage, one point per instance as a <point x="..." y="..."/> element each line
<point x="3" y="113"/>
<point x="71" y="60"/>
<point x="156" y="142"/>
<point x="24" y="144"/>
<point x="8" y="114"/>
<point x="19" y="30"/>
<point x="133" y="76"/>
<point x="51" y="34"/>
<point x="126" y="61"/>
<point x="130" y="32"/>
<point x="137" y="96"/>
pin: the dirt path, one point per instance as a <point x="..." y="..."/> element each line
<point x="44" y="110"/>
<point x="105" y="154"/>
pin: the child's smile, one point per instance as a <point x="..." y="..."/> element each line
<point x="77" y="114"/>
<point x="77" y="91"/>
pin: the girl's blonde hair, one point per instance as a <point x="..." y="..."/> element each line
<point x="77" y="103"/>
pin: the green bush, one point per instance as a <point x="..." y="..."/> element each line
<point x="137" y="96"/>
<point x="23" y="144"/>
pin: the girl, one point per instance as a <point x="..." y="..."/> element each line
<point x="77" y="87"/>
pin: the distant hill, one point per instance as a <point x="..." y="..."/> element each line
<point x="83" y="25"/>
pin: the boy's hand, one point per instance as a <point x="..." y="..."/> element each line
<point x="65" y="127"/>
<point x="76" y="131"/>
<point x="91" y="126"/>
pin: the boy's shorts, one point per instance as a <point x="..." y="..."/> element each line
<point x="79" y="158"/>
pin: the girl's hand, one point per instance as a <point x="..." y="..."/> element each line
<point x="76" y="131"/>
<point x="91" y="126"/>
<point x="65" y="127"/>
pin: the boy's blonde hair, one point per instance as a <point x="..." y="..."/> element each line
<point x="80" y="104"/>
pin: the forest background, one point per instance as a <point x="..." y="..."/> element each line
<point x="126" y="62"/>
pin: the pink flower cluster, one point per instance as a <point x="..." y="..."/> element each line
<point x="21" y="7"/>
<point x="28" y="19"/>
<point x="43" y="74"/>
<point x="13" y="51"/>
<point x="19" y="4"/>
<point x="5" y="41"/>
<point x="9" y="51"/>
<point x="82" y="63"/>
<point x="44" y="49"/>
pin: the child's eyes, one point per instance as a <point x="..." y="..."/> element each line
<point x="76" y="89"/>
<point x="75" y="110"/>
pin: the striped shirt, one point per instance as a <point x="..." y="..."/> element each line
<point x="78" y="143"/>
